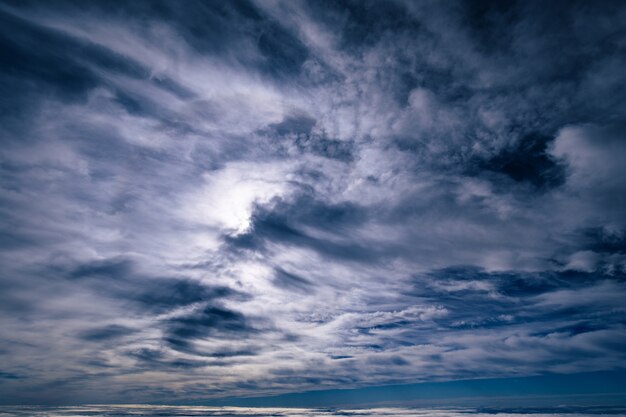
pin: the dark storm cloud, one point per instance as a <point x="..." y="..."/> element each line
<point x="150" y="359"/>
<point x="297" y="130"/>
<point x="475" y="299"/>
<point x="47" y="68"/>
<point x="117" y="279"/>
<point x="257" y="197"/>
<point x="283" y="222"/>
<point x="8" y="375"/>
<point x="104" y="333"/>
<point x="598" y="240"/>
<point x="292" y="281"/>
<point x="274" y="227"/>
<point x="208" y="321"/>
<point x="529" y="162"/>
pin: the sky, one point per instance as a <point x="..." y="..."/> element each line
<point x="202" y="200"/>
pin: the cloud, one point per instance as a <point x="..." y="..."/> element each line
<point x="103" y="333"/>
<point x="291" y="411"/>
<point x="592" y="158"/>
<point x="205" y="322"/>
<point x="254" y="198"/>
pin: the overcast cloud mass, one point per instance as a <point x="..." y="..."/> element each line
<point x="210" y="199"/>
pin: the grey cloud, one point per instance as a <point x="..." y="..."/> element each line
<point x="529" y="162"/>
<point x="117" y="279"/>
<point x="291" y="281"/>
<point x="281" y="223"/>
<point x="298" y="131"/>
<point x="104" y="333"/>
<point x="207" y="321"/>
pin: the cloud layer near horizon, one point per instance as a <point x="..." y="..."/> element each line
<point x="152" y="410"/>
<point x="203" y="200"/>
